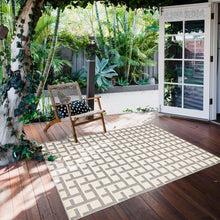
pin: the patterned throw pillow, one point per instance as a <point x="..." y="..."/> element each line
<point x="77" y="107"/>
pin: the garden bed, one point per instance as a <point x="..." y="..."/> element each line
<point x="130" y="88"/>
<point x="118" y="89"/>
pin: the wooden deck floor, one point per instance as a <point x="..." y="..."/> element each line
<point x="28" y="192"/>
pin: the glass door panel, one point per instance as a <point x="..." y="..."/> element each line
<point x="173" y="27"/>
<point x="194" y="72"/>
<point x="193" y="27"/>
<point x="193" y="97"/>
<point x="194" y="47"/>
<point x="173" y="71"/>
<point x="173" y="47"/>
<point x="185" y="67"/>
<point x="173" y="95"/>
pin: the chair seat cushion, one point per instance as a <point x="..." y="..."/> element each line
<point x="77" y="107"/>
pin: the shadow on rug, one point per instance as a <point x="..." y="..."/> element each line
<point x="105" y="169"/>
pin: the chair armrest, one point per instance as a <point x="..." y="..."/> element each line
<point x="98" y="100"/>
<point x="91" y="98"/>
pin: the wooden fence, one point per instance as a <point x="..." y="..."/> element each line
<point x="79" y="60"/>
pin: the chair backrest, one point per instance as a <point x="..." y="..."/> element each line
<point x="63" y="93"/>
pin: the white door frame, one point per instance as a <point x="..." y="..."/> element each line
<point x="188" y="13"/>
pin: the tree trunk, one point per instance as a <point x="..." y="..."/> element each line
<point x="10" y="126"/>
<point x="93" y="31"/>
<point x="3" y="58"/>
<point x="101" y="32"/>
<point x="109" y="27"/>
<point x="131" y="44"/>
<point x="13" y="8"/>
<point x="114" y="27"/>
<point x="50" y="57"/>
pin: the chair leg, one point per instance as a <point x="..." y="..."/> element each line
<point x="103" y="123"/>
<point x="51" y="123"/>
<point x="74" y="131"/>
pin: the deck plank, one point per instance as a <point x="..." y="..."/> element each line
<point x="16" y="192"/>
<point x="40" y="195"/>
<point x="6" y="205"/>
<point x="137" y="208"/>
<point x="57" y="208"/>
<point x="199" y="198"/>
<point x="28" y="192"/>
<point x="161" y="206"/>
<point x="30" y="204"/>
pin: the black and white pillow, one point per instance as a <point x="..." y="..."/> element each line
<point x="62" y="111"/>
<point x="77" y="107"/>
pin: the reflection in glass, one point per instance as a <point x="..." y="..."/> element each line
<point x="194" y="72"/>
<point x="192" y="27"/>
<point x="174" y="27"/>
<point x="173" y="71"/>
<point x="172" y="95"/>
<point x="173" y="47"/>
<point x="194" y="47"/>
<point x="193" y="97"/>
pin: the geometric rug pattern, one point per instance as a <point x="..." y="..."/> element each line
<point x="104" y="169"/>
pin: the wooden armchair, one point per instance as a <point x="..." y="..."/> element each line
<point x="64" y="97"/>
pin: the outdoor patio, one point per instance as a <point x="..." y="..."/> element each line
<point x="155" y="65"/>
<point x="28" y="191"/>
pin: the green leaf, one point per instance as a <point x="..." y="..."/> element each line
<point x="51" y="158"/>
<point x="22" y="136"/>
<point x="13" y="133"/>
<point x="9" y="118"/>
<point x="19" y="45"/>
<point x="21" y="119"/>
<point x="17" y="112"/>
<point x="24" y="151"/>
<point x="40" y="158"/>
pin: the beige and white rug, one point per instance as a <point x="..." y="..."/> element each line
<point x="105" y="169"/>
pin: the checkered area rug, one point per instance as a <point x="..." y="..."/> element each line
<point x="105" y="169"/>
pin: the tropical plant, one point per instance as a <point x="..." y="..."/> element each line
<point x="122" y="82"/>
<point x="45" y="42"/>
<point x="126" y="43"/>
<point x="20" y="84"/>
<point x="103" y="72"/>
<point x="80" y="76"/>
<point x="44" y="112"/>
<point x="143" y="81"/>
<point x="49" y="61"/>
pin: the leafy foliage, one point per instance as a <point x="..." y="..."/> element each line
<point x="26" y="149"/>
<point x="45" y="111"/>
<point x="140" y="109"/>
<point x="146" y="109"/>
<point x="103" y="72"/>
<point x="29" y="81"/>
<point x="142" y="81"/>
<point x="129" y="3"/>
<point x="130" y="40"/>
<point x="122" y="82"/>
<point x="79" y="76"/>
<point x="41" y="45"/>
